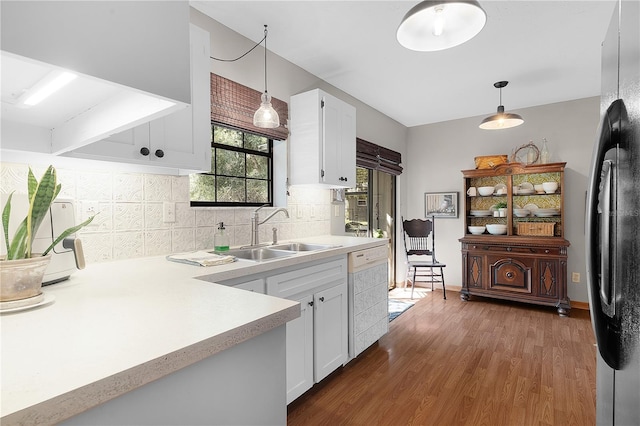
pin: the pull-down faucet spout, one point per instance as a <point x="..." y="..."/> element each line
<point x="255" y="223"/>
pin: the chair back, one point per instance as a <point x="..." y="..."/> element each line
<point x="416" y="238"/>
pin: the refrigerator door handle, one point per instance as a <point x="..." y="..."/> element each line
<point x="607" y="250"/>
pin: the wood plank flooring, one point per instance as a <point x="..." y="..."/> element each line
<point x="448" y="362"/>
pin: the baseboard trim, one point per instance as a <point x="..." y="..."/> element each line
<point x="574" y="304"/>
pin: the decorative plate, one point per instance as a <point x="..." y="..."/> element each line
<point x="531" y="207"/>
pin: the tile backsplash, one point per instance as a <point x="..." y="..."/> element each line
<point x="130" y="206"/>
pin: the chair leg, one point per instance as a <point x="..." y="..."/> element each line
<point x="431" y="272"/>
<point x="444" y="290"/>
<point x="413" y="282"/>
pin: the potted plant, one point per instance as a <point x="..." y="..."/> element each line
<point x="502" y="208"/>
<point x="22" y="270"/>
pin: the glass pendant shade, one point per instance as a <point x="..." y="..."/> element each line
<point x="501" y="120"/>
<point x="266" y="116"/>
<point x="437" y="25"/>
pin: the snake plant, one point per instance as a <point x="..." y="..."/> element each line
<point x="41" y="195"/>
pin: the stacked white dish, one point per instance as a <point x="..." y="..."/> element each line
<point x="525" y="188"/>
<point x="480" y="212"/>
<point x="497" y="228"/>
<point x="476" y="230"/>
<point x="546" y="212"/>
<point x="521" y="212"/>
<point x="486" y="190"/>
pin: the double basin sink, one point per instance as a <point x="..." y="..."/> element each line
<point x="277" y="251"/>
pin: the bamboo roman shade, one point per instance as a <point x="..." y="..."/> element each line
<point x="234" y="105"/>
<point x="375" y="157"/>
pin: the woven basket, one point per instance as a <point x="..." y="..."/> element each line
<point x="490" y="161"/>
<point x="536" y="228"/>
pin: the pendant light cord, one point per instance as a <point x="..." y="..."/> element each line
<point x="265" y="59"/>
<point x="248" y="51"/>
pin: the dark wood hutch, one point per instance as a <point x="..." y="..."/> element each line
<point x="529" y="262"/>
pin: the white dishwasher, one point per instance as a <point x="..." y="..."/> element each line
<point x="368" y="298"/>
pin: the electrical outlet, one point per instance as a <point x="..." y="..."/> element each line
<point x="168" y="212"/>
<point x="575" y="277"/>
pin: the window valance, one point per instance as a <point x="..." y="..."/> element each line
<point x="375" y="157"/>
<point x="234" y="105"/>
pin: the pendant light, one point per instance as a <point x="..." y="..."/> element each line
<point x="266" y="116"/>
<point x="501" y="120"/>
<point x="437" y="25"/>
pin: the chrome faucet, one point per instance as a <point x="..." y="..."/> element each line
<point x="255" y="223"/>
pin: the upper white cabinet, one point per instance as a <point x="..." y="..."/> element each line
<point x="129" y="69"/>
<point x="322" y="140"/>
<point x="181" y="140"/>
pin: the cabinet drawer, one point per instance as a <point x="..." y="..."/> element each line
<point x="308" y="279"/>
<point x="552" y="251"/>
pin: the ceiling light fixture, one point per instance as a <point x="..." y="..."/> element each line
<point x="44" y="88"/>
<point x="437" y="25"/>
<point x="266" y="116"/>
<point x="501" y="120"/>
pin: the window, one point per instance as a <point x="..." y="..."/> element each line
<point x="241" y="170"/>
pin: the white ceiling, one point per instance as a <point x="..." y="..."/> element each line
<point x="549" y="51"/>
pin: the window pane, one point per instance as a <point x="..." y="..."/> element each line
<point x="229" y="163"/>
<point x="202" y="187"/>
<point x="256" y="143"/>
<point x="257" y="191"/>
<point x="257" y="166"/>
<point x="226" y="136"/>
<point x="231" y="189"/>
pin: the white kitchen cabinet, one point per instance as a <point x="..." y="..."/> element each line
<point x="317" y="342"/>
<point x="181" y="140"/>
<point x="300" y="350"/>
<point x="322" y="140"/>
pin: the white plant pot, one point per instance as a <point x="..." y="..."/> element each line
<point x="22" y="278"/>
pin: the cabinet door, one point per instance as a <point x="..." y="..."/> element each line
<point x="339" y="142"/>
<point x="513" y="275"/>
<point x="330" y="330"/>
<point x="300" y="350"/>
<point x="180" y="140"/>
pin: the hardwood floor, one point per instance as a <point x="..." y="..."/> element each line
<point x="448" y="362"/>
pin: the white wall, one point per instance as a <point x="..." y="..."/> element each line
<point x="437" y="153"/>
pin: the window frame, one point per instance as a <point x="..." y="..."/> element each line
<point x="216" y="146"/>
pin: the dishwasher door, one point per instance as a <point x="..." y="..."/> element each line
<point x="368" y="298"/>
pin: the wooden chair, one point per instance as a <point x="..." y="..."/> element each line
<point x="416" y="244"/>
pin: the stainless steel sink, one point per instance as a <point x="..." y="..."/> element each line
<point x="302" y="246"/>
<point x="259" y="254"/>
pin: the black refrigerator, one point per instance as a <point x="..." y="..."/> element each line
<point x="613" y="223"/>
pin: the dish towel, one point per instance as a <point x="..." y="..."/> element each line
<point x="201" y="258"/>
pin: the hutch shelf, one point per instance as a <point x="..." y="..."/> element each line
<point x="528" y="263"/>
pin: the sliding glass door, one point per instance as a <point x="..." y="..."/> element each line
<point x="370" y="209"/>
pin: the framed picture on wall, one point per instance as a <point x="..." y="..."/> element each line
<point x="441" y="204"/>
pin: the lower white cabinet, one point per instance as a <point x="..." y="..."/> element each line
<point x="317" y="341"/>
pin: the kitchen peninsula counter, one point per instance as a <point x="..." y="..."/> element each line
<point x="118" y="326"/>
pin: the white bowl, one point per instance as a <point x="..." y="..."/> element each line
<point x="496" y="228"/>
<point x="521" y="212"/>
<point x="476" y="230"/>
<point x="550" y="187"/>
<point x="539" y="188"/>
<point x="485" y="190"/>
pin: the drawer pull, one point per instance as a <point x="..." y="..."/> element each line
<point x="322" y="299"/>
<point x="509" y="274"/>
<point x="509" y="249"/>
<point x="547" y="251"/>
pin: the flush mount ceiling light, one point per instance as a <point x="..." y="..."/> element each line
<point x="501" y="120"/>
<point x="266" y="116"/>
<point x="437" y="25"/>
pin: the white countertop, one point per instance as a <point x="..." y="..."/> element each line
<point x="116" y="326"/>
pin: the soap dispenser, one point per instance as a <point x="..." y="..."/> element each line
<point x="221" y="239"/>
